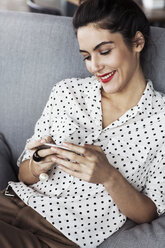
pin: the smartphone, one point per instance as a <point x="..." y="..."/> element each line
<point x="58" y="146"/>
<point x="48" y="145"/>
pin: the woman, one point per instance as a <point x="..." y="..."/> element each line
<point x="112" y="124"/>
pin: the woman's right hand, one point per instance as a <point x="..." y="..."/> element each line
<point x="30" y="170"/>
<point x="46" y="153"/>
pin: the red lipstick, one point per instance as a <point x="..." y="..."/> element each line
<point x="105" y="78"/>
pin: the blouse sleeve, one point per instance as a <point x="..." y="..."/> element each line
<point x="42" y="127"/>
<point x="155" y="183"/>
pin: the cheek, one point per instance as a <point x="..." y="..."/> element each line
<point x="125" y="63"/>
<point x="120" y="59"/>
<point x="116" y="60"/>
<point x="88" y="66"/>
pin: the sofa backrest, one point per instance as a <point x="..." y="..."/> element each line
<point x="37" y="51"/>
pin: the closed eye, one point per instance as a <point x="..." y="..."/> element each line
<point x="105" y="52"/>
<point x="87" y="58"/>
<point x="101" y="53"/>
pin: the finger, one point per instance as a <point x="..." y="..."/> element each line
<point x="72" y="156"/>
<point x="74" y="173"/>
<point x="76" y="148"/>
<point x="46" y="151"/>
<point x="33" y="144"/>
<point x="85" y="150"/>
<point x="68" y="164"/>
<point x="42" y="166"/>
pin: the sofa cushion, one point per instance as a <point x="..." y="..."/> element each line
<point x="36" y="51"/>
<point x="7" y="172"/>
<point x="148" y="235"/>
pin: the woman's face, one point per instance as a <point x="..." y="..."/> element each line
<point x="108" y="58"/>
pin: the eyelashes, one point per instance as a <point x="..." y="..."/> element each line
<point x="101" y="53"/>
<point x="105" y="52"/>
<point x="86" y="58"/>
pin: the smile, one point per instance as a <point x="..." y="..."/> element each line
<point x="107" y="77"/>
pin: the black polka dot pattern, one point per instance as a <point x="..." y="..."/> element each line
<point x="134" y="144"/>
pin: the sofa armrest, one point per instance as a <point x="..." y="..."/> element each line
<point x="6" y="170"/>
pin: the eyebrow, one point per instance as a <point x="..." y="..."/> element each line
<point x="99" y="45"/>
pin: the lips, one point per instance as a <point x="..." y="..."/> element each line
<point x="105" y="78"/>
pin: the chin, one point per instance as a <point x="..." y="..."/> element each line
<point x="109" y="90"/>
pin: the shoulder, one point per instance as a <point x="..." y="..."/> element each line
<point x="158" y="100"/>
<point x="154" y="97"/>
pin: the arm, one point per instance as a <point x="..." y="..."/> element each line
<point x="135" y="205"/>
<point x="93" y="166"/>
<point x="25" y="174"/>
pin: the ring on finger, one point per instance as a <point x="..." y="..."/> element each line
<point x="36" y="157"/>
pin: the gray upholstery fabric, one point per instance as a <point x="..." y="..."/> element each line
<point x="6" y="170"/>
<point x="138" y="236"/>
<point x="146" y="235"/>
<point x="153" y="61"/>
<point x="36" y="51"/>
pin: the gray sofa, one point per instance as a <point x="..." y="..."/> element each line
<point x="36" y="51"/>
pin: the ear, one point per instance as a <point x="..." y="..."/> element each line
<point x="138" y="41"/>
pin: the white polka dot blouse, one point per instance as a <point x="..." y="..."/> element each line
<point x="134" y="144"/>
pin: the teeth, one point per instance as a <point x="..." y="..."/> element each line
<point x="109" y="75"/>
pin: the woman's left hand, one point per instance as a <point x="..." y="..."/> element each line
<point x="87" y="162"/>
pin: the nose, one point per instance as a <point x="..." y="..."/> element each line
<point x="96" y="65"/>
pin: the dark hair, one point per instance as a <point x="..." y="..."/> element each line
<point x="123" y="16"/>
